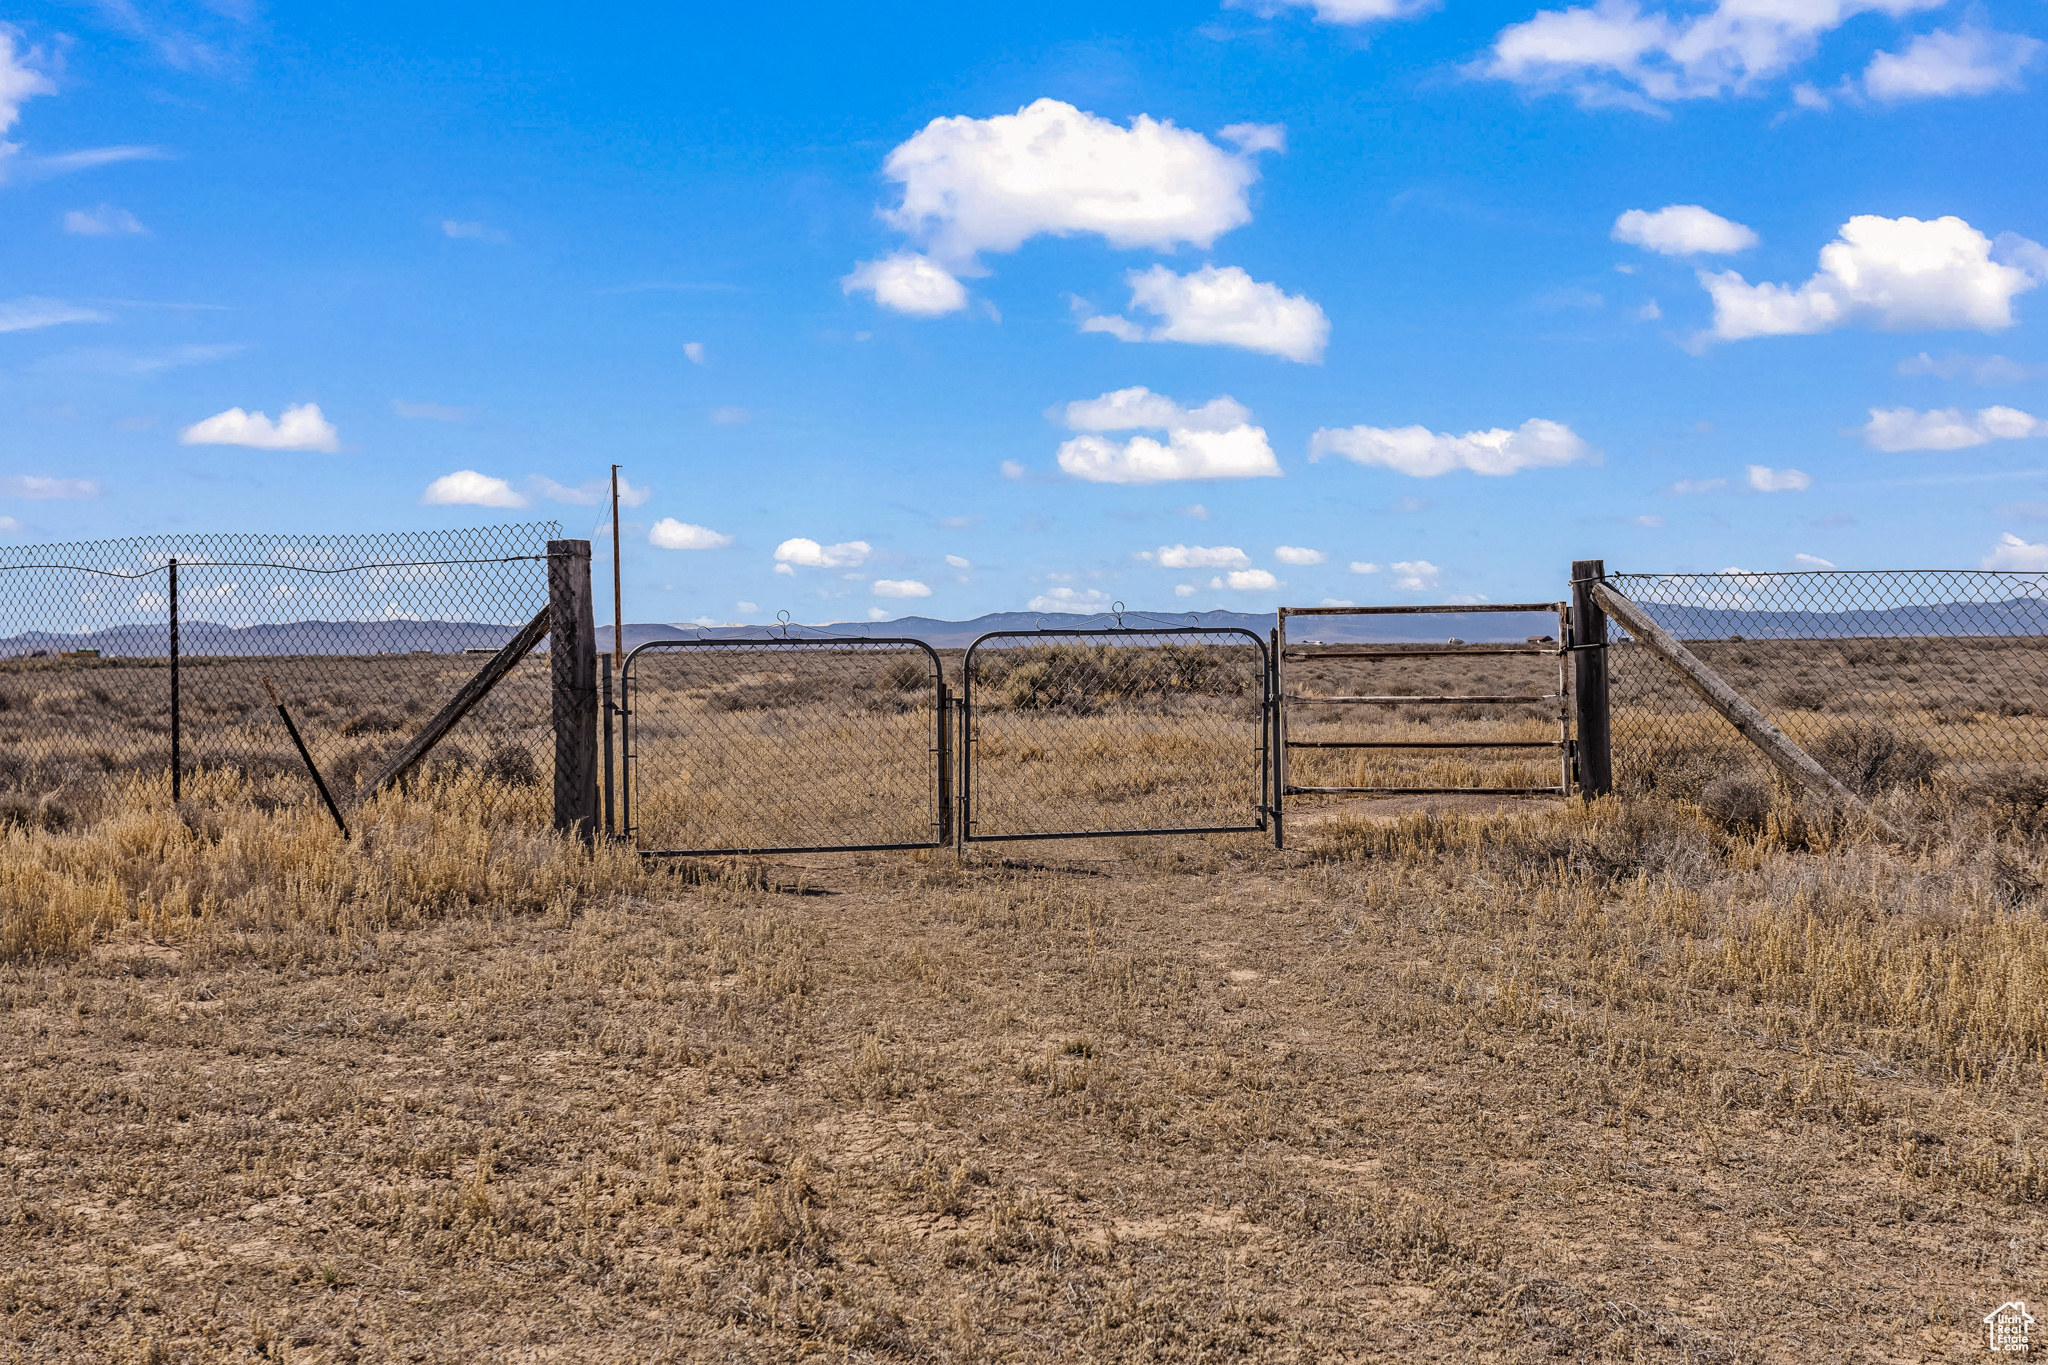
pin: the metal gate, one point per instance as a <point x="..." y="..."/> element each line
<point x="1320" y="724"/>
<point x="784" y="746"/>
<point x="1076" y="733"/>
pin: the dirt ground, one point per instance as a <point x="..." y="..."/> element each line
<point x="1111" y="1101"/>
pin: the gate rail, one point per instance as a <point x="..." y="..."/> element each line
<point x="938" y="791"/>
<point x="1283" y="653"/>
<point x="1264" y="798"/>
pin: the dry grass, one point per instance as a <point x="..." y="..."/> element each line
<point x="1726" y="1078"/>
<point x="77" y="737"/>
<point x="1601" y="1082"/>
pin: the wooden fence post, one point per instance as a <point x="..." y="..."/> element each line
<point x="572" y="646"/>
<point x="1589" y="681"/>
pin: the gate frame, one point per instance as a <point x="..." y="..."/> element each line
<point x="1562" y="649"/>
<point x="1266" y="805"/>
<point x="940" y="748"/>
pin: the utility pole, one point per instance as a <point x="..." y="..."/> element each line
<point x="618" y="597"/>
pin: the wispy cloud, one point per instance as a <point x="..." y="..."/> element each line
<point x="41" y="488"/>
<point x="27" y="314"/>
<point x="591" y="492"/>
<point x="429" y="412"/>
<point x="474" y="232"/>
<point x="114" y="360"/>
<point x="104" y="221"/>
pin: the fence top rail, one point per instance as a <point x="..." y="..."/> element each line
<point x="2030" y="575"/>
<point x="321" y="553"/>
<point x="855" y="643"/>
<point x="1113" y="631"/>
<point x="1423" y="610"/>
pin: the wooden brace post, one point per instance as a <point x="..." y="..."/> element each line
<point x="473" y="691"/>
<point x="1755" y="727"/>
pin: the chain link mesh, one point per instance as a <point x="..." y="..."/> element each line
<point x="1112" y="731"/>
<point x="1886" y="678"/>
<point x="753" y="745"/>
<point x="364" y="637"/>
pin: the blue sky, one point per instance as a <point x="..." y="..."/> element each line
<point x="953" y="310"/>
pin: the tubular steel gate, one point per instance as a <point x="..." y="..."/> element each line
<point x="1077" y="733"/>
<point x="1444" y="726"/>
<point x="784" y="746"/>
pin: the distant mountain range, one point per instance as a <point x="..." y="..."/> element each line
<point x="2018" y="616"/>
<point x="210" y="639"/>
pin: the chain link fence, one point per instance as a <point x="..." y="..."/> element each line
<point x="1886" y="678"/>
<point x="1074" y="732"/>
<point x="784" y="745"/>
<point x="365" y="637"/>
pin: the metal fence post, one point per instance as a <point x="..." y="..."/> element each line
<point x="625" y="829"/>
<point x="945" y="764"/>
<point x="604" y="706"/>
<point x="1589" y="681"/>
<point x="572" y="628"/>
<point x="1276" y="742"/>
<point x="177" y="759"/>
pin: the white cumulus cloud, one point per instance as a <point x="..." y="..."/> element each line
<point x="959" y="562"/>
<point x="900" y="587"/>
<point x="1947" y="428"/>
<point x="467" y="488"/>
<point x="1962" y="61"/>
<point x="1422" y="453"/>
<point x="1069" y="599"/>
<point x="1812" y="562"/>
<point x="1297" y="554"/>
<point x="1765" y="479"/>
<point x="1683" y="230"/>
<point x="2013" y="553"/>
<point x="1614" y="52"/>
<point x="1246" y="580"/>
<point x="809" y="554"/>
<point x="973" y="185"/>
<point x="296" y="428"/>
<point x="20" y="82"/>
<point x="670" y="534"/>
<point x="1139" y="408"/>
<point x="693" y="351"/>
<point x="1197" y="557"/>
<point x="1221" y="307"/>
<point x="1364" y="566"/>
<point x="1214" y="441"/>
<point x="1416" y="575"/>
<point x="1897" y="274"/>
<point x="1241" y="453"/>
<point x="908" y="283"/>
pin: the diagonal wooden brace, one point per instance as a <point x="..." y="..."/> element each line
<point x="1754" y="726"/>
<point x="473" y="691"/>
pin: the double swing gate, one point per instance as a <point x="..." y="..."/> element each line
<point x="798" y="744"/>
<point x="801" y="745"/>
